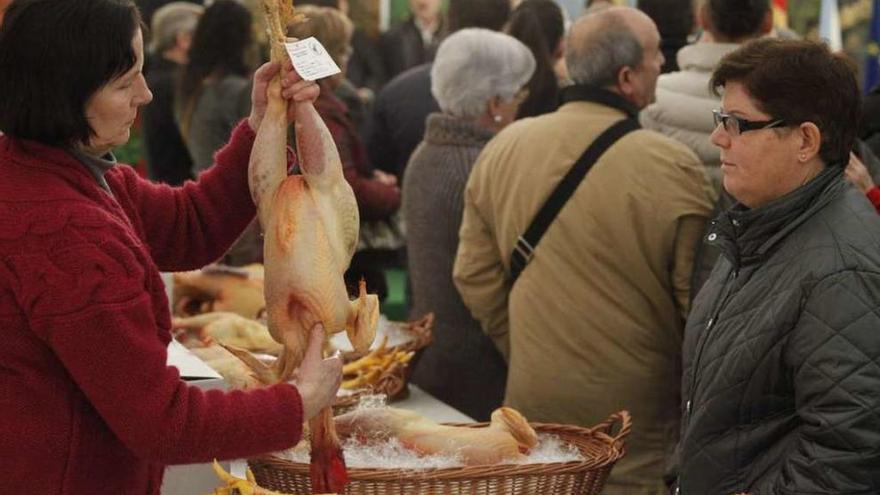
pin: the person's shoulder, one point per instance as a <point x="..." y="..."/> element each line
<point x="402" y="28"/>
<point x="842" y="235"/>
<point x="515" y="132"/>
<point x="660" y="144"/>
<point x="667" y="159"/>
<point x="37" y="174"/>
<point x="853" y="220"/>
<point x="231" y="86"/>
<point x="405" y="82"/>
<point x="50" y="221"/>
<point x="123" y="173"/>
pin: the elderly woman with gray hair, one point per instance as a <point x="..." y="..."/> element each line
<point x="477" y="79"/>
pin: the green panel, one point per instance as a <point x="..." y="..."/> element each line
<point x="400" y="10"/>
<point x="395" y="305"/>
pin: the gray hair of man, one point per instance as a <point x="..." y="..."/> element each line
<point x="474" y="65"/>
<point x="595" y="59"/>
<point x="169" y="21"/>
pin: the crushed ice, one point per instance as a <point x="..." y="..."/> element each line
<point x="551" y="448"/>
<point x="391" y="454"/>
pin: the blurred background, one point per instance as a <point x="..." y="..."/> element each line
<point x="845" y="24"/>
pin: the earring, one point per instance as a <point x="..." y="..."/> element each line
<point x="802" y="156"/>
<point x="497" y="119"/>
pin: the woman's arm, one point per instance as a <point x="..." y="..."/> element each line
<point x="189" y="227"/>
<point x="193" y="225"/>
<point x="97" y="317"/>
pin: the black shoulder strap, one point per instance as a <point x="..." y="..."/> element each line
<point x="525" y="246"/>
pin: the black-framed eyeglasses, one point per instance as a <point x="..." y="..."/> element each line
<point x="735" y="126"/>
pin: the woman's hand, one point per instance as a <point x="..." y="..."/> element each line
<point x="385" y="178"/>
<point x="293" y="88"/>
<point x="318" y="378"/>
<point x="857" y="174"/>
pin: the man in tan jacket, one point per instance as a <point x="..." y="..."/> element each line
<point x="595" y="320"/>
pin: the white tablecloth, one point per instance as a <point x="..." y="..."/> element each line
<point x="431" y="408"/>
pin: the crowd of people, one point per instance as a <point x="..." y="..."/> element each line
<point x="667" y="210"/>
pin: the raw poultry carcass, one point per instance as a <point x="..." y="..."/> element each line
<point x="237" y="372"/>
<point x="229" y="328"/>
<point x="220" y="288"/>
<point x="506" y="439"/>
<point x="311" y="230"/>
<point x="311" y="227"/>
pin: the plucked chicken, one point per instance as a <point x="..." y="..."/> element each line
<point x="220" y="288"/>
<point x="507" y="438"/>
<point x="311" y="227"/>
<point x="236" y="372"/>
<point x="310" y="222"/>
<point x="228" y="328"/>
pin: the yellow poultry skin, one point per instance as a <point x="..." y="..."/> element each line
<point x="310" y="223"/>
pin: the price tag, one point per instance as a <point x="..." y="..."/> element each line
<point x="311" y="60"/>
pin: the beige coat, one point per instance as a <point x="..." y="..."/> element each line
<point x="596" y="318"/>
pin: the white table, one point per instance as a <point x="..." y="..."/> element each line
<point x="428" y="406"/>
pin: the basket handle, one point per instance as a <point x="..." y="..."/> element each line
<point x="625" y="425"/>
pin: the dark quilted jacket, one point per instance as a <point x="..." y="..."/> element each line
<point x="781" y="383"/>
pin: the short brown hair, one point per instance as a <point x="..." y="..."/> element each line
<point x="330" y="26"/>
<point x="799" y="81"/>
<point x="54" y="55"/>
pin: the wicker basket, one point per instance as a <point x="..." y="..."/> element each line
<point x="393" y="381"/>
<point x="600" y="447"/>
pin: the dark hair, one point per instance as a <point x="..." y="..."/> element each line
<point x="54" y="55"/>
<point x="489" y="14"/>
<point x="539" y="25"/>
<point x="799" y="81"/>
<point x="219" y="48"/>
<point x="737" y="19"/>
<point x="675" y="22"/>
<point x="333" y="4"/>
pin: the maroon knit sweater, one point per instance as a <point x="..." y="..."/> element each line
<point x="87" y="404"/>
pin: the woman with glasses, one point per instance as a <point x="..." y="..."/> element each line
<point x="477" y="78"/>
<point x="782" y="347"/>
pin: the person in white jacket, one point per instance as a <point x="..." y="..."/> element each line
<point x="684" y="104"/>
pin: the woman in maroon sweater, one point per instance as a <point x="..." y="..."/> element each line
<point x="87" y="403"/>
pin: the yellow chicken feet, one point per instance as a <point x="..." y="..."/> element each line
<point x="363" y="318"/>
<point x="239" y="486"/>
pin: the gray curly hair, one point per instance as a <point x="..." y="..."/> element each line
<point x="474" y="65"/>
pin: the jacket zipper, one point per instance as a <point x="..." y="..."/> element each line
<point x="727" y="291"/>
<point x="701" y="344"/>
